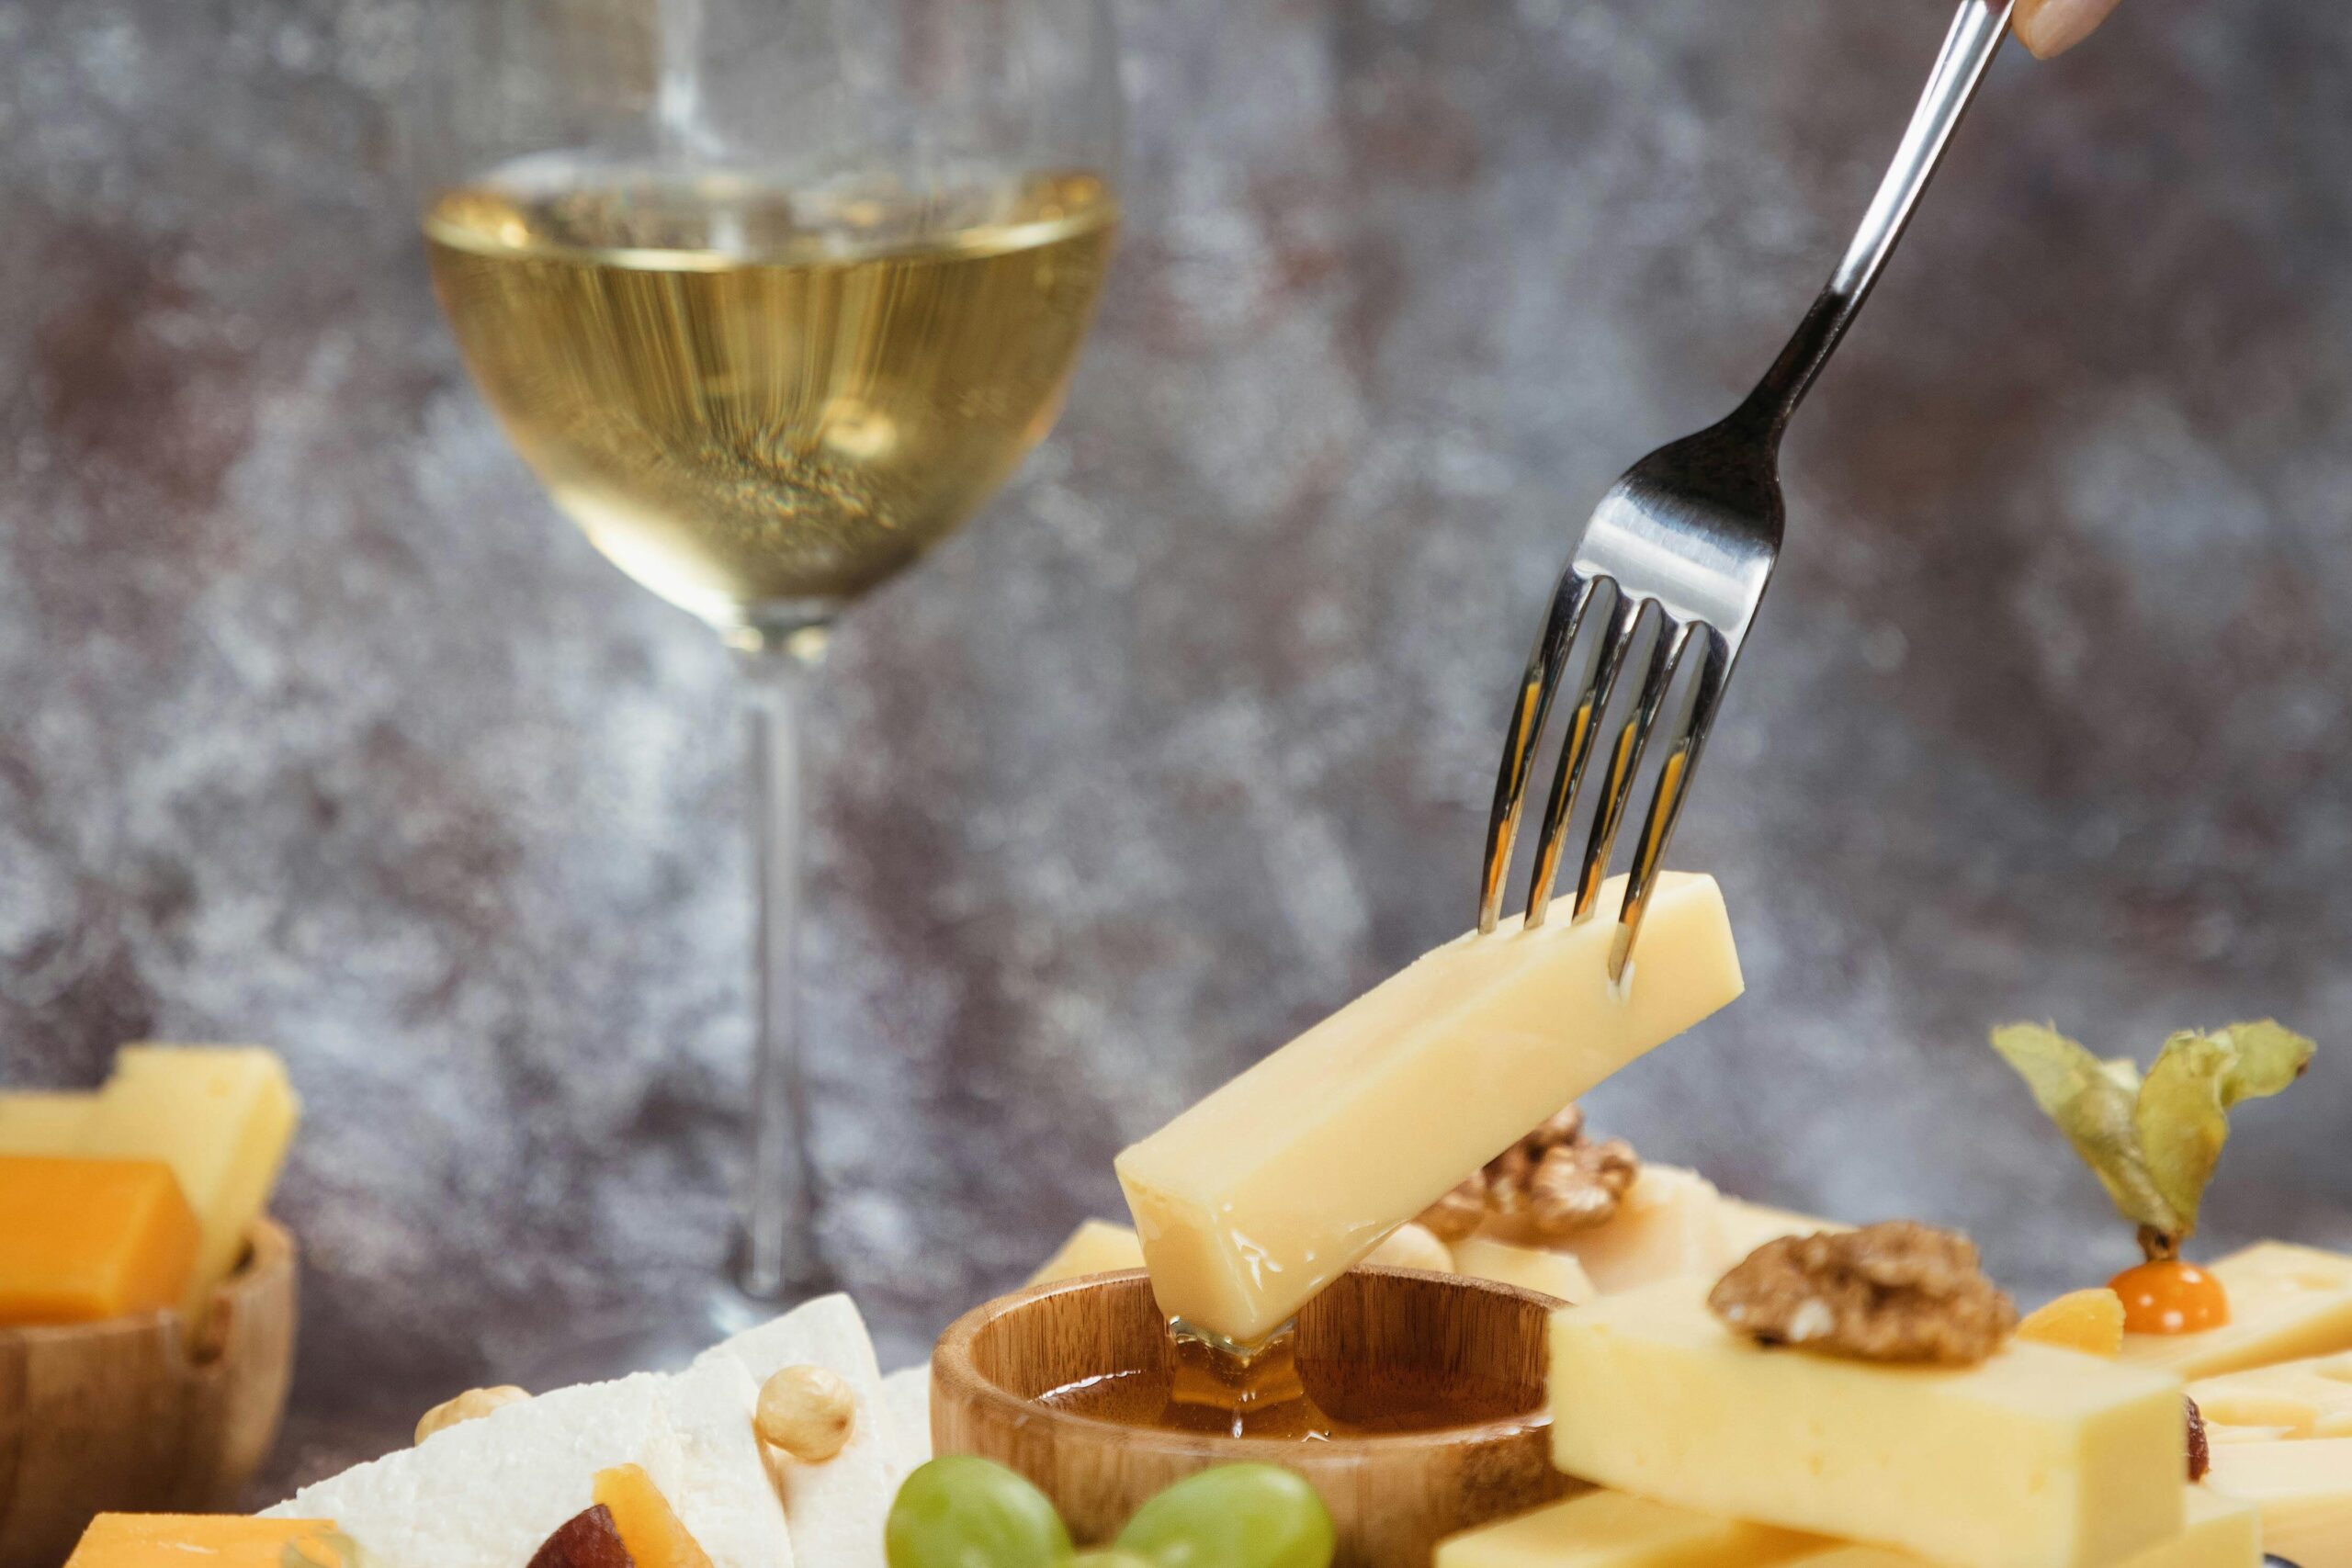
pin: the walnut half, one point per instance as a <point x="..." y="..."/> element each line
<point x="1897" y="1292"/>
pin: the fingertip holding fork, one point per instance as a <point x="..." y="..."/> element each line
<point x="1677" y="557"/>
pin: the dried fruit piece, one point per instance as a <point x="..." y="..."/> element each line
<point x="2089" y="1321"/>
<point x="587" y="1539"/>
<point x="648" y="1526"/>
<point x="1897" y="1292"/>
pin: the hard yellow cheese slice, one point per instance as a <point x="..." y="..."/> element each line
<point x="1611" y="1529"/>
<point x="2285" y="1302"/>
<point x="2304" y="1490"/>
<point x="44" y="1121"/>
<point x="220" y="1116"/>
<point x="201" y="1540"/>
<point x="2036" y="1457"/>
<point x="1096" y="1247"/>
<point x="1262" y="1194"/>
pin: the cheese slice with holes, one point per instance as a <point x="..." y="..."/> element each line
<point x="2034" y="1458"/>
<point x="2286" y="1303"/>
<point x="1258" y="1197"/>
<point x="2304" y="1490"/>
<point x="2310" y="1398"/>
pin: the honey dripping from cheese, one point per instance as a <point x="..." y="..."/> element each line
<point x="1274" y="1392"/>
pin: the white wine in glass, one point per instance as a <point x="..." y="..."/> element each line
<point x="772" y="295"/>
<point x="757" y="402"/>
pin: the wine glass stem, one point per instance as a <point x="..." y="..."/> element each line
<point x="777" y="1253"/>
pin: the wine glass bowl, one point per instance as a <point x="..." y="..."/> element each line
<point x="760" y="402"/>
<point x="771" y="298"/>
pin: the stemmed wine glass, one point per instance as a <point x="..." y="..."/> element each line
<point x="772" y="295"/>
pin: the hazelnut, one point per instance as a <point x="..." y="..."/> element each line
<point x="474" y="1402"/>
<point x="806" y="1411"/>
<point x="1412" y="1245"/>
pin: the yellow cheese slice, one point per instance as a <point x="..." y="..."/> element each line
<point x="1529" y="1267"/>
<point x="220" y="1116"/>
<point x="1611" y="1529"/>
<point x="2304" y="1490"/>
<point x="1096" y="1247"/>
<point x="2311" y="1398"/>
<point x="2035" y="1458"/>
<point x="204" y="1540"/>
<point x="1262" y="1194"/>
<point x="44" y="1121"/>
<point x="2286" y="1302"/>
<point x="1670" y="1223"/>
<point x="1746" y="1227"/>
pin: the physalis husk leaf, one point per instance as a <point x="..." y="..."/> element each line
<point x="2182" y="1115"/>
<point x="2092" y="1101"/>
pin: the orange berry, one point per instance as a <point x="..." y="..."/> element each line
<point x="2170" y="1297"/>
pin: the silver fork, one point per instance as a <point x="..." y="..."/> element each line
<point x="1678" y="555"/>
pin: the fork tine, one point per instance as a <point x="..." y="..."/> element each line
<point x="1537" y="687"/>
<point x="1576" y="749"/>
<point x="1625" y="755"/>
<point x="1689" y="738"/>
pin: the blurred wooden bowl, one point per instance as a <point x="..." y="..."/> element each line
<point x="1392" y="1496"/>
<point x="123" y="1414"/>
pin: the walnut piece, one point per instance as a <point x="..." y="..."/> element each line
<point x="1459" y="1213"/>
<point x="1578" y="1186"/>
<point x="2201" y="1448"/>
<point x="1897" y="1292"/>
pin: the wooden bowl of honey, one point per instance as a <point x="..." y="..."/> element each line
<point x="134" y="1414"/>
<point x="1422" y="1410"/>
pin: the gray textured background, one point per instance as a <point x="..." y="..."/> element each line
<point x="317" y="727"/>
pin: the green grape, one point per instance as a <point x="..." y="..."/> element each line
<point x="1109" y="1557"/>
<point x="962" y="1511"/>
<point x="1236" y="1515"/>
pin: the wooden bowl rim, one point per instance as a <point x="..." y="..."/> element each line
<point x="269" y="1259"/>
<point x="956" y="1377"/>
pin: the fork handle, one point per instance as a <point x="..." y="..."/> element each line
<point x="1977" y="36"/>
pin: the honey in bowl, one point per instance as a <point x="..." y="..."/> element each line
<point x="1277" y="1394"/>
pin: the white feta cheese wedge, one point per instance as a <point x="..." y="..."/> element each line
<point x="833" y="1510"/>
<point x="486" y="1493"/>
<point x="906" y="1394"/>
<point x="725" y="1496"/>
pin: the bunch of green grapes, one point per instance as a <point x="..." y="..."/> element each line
<point x="962" y="1511"/>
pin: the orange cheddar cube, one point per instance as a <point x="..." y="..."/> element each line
<point x="83" y="1239"/>
<point x="205" y="1540"/>
<point x="648" y="1525"/>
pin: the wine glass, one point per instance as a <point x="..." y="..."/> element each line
<point x="772" y="295"/>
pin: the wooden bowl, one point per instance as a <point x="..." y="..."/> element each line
<point x="123" y="1414"/>
<point x="1392" y="1496"/>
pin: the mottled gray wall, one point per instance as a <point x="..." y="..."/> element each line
<point x="317" y="727"/>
